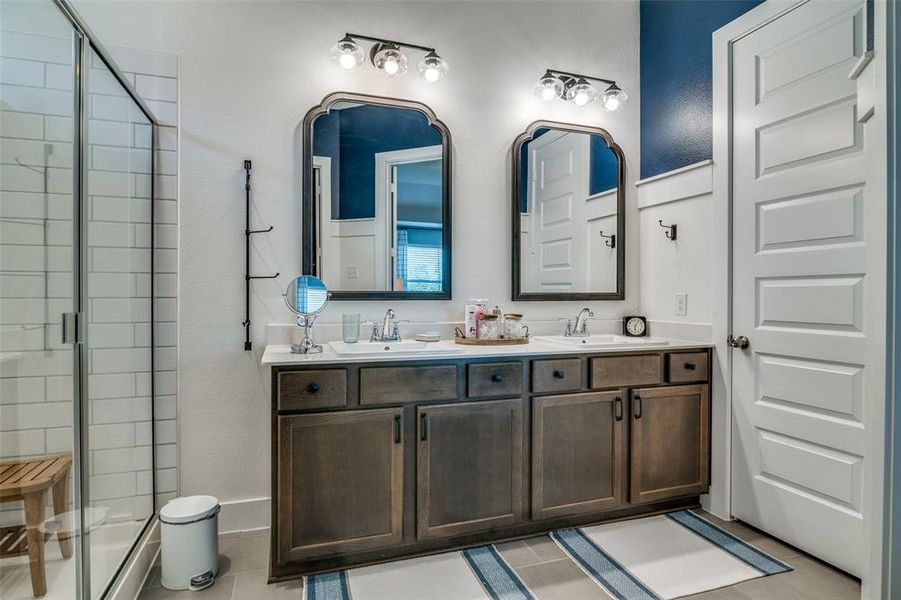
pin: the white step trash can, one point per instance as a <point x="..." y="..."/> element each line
<point x="190" y="542"/>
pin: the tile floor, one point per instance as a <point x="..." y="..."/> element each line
<point x="543" y="567"/>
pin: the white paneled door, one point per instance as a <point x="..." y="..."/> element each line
<point x="802" y="276"/>
<point x="559" y="187"/>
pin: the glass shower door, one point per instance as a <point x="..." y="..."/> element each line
<point x="118" y="212"/>
<point x="39" y="378"/>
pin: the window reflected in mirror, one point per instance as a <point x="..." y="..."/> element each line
<point x="379" y="200"/>
<point x="569" y="207"/>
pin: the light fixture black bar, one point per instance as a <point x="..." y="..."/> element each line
<point x="579" y="76"/>
<point x="368" y="38"/>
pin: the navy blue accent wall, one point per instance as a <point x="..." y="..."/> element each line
<point x="326" y="133"/>
<point x="601" y="178"/>
<point x="365" y="131"/>
<point x="676" y="79"/>
<point x="603" y="166"/>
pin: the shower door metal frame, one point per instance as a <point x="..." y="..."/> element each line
<point x="83" y="42"/>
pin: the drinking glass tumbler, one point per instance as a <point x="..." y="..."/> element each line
<point x="350" y="327"/>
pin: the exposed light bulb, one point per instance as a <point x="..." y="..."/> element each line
<point x="347" y="53"/>
<point x="433" y="68"/>
<point x="347" y="61"/>
<point x="549" y="87"/>
<point x="581" y="93"/>
<point x="387" y="58"/>
<point x="613" y="98"/>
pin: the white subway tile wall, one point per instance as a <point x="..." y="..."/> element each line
<point x="36" y="221"/>
<point x="36" y="128"/>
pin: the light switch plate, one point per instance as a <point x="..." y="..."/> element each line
<point x="681" y="304"/>
<point x="351" y="272"/>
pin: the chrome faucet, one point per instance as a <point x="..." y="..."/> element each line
<point x="386" y="330"/>
<point x="580" y="328"/>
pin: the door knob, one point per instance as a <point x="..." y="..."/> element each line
<point x="740" y="342"/>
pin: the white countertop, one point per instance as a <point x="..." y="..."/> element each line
<point x="277" y="354"/>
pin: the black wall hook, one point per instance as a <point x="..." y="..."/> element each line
<point x="671" y="234"/>
<point x="612" y="239"/>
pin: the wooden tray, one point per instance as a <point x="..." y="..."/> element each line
<point x="498" y="342"/>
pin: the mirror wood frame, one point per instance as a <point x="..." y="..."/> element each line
<point x="523" y="138"/>
<point x="308" y="226"/>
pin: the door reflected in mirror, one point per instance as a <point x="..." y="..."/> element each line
<point x="379" y="200"/>
<point x="568" y="214"/>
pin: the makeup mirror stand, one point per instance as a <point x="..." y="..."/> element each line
<point x="306" y="345"/>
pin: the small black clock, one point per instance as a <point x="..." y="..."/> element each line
<point x="635" y="326"/>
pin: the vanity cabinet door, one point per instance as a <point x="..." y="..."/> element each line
<point x="470" y="467"/>
<point x="670" y="442"/>
<point x="577" y="454"/>
<point x="340" y="482"/>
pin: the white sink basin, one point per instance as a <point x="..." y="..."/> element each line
<point x="393" y="348"/>
<point x="601" y="341"/>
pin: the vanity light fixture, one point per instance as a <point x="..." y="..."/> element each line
<point x="386" y="56"/>
<point x="578" y="89"/>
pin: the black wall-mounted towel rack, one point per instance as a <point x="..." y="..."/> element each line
<point x="248" y="345"/>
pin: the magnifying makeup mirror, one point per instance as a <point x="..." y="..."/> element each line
<point x="306" y="297"/>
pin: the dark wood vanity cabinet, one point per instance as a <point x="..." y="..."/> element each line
<point x="377" y="461"/>
<point x="340" y="482"/>
<point x="578" y="456"/>
<point x="670" y="442"/>
<point x="469" y="467"/>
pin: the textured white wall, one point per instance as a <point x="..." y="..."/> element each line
<point x="683" y="197"/>
<point x="249" y="71"/>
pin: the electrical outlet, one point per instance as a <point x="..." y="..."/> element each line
<point x="681" y="304"/>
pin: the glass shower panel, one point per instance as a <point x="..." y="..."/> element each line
<point x="118" y="246"/>
<point x="38" y="377"/>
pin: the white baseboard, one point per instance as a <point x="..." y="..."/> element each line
<point x="130" y="581"/>
<point x="244" y="515"/>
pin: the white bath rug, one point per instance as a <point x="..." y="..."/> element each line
<point x="663" y="557"/>
<point x="474" y="574"/>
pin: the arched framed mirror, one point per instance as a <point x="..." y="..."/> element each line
<point x="377" y="198"/>
<point x="568" y="211"/>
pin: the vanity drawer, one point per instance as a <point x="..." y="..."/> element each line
<point x="395" y="385"/>
<point x="491" y="380"/>
<point x="563" y="375"/>
<point x="625" y="371"/>
<point x="686" y="367"/>
<point x="300" y="390"/>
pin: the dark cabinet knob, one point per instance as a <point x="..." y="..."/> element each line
<point x="558" y="374"/>
<point x="313" y="388"/>
<point x="497" y="377"/>
<point x="690" y="366"/>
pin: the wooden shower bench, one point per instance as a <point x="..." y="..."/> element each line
<point x="28" y="480"/>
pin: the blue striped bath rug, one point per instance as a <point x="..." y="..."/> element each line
<point x="664" y="557"/>
<point x="473" y="574"/>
